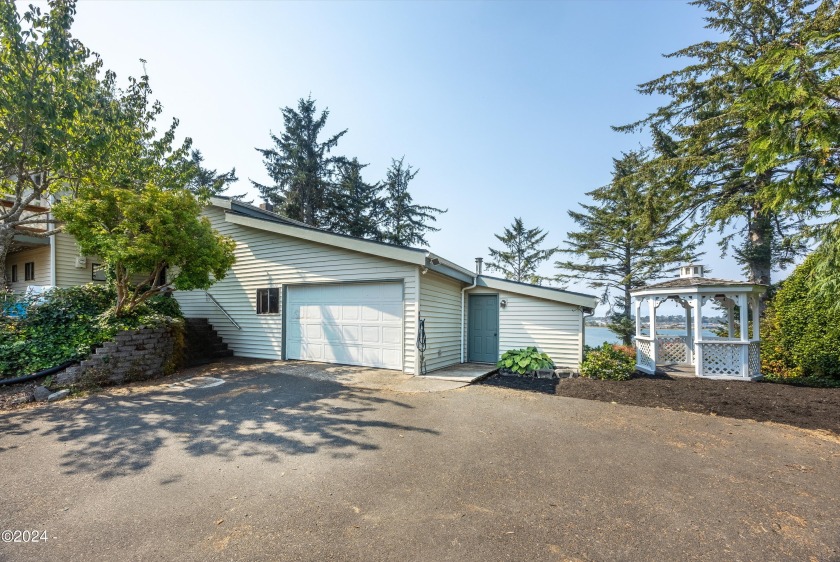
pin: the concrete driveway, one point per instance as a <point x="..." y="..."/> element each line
<point x="273" y="466"/>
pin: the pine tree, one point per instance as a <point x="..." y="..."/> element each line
<point x="613" y="252"/>
<point x="300" y="165"/>
<point x="206" y="182"/>
<point x="405" y="224"/>
<point x="701" y="135"/>
<point x="355" y="208"/>
<point x="523" y="255"/>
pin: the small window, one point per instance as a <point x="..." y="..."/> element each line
<point x="14" y="274"/>
<point x="29" y="271"/>
<point x="97" y="272"/>
<point x="268" y="301"/>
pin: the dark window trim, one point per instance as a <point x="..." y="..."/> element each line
<point x="268" y="300"/>
<point x="29" y="271"/>
<point x="96" y="268"/>
<point x="14" y="273"/>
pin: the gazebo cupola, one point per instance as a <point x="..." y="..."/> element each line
<point x="735" y="356"/>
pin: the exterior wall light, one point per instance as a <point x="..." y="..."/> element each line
<point x="502" y="303"/>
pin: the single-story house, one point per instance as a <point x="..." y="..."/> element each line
<point x="298" y="292"/>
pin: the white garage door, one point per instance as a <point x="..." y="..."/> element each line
<point x="350" y="324"/>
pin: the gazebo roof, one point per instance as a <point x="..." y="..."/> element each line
<point x="692" y="281"/>
<point x="685" y="282"/>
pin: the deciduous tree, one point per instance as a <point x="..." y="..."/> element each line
<point x="134" y="208"/>
<point x="48" y="81"/>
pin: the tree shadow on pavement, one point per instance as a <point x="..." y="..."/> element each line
<point x="269" y="416"/>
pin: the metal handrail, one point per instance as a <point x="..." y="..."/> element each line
<point x="225" y="312"/>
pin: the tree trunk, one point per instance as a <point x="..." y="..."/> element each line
<point x="7" y="236"/>
<point x="759" y="253"/>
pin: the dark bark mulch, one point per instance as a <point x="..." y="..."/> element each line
<point x="809" y="408"/>
<point x="543" y="386"/>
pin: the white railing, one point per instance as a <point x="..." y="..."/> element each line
<point x="755" y="359"/>
<point x="646" y="354"/>
<point x="720" y="358"/>
<point x="671" y="350"/>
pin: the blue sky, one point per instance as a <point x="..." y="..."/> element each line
<point x="505" y="108"/>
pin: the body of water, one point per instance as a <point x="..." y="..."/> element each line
<point x="597" y="336"/>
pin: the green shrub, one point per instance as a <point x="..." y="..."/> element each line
<point x="801" y="333"/>
<point x="66" y="324"/>
<point x="524" y="361"/>
<point x="608" y="363"/>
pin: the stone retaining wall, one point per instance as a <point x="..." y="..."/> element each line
<point x="132" y="355"/>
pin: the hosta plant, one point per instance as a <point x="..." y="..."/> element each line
<point x="524" y="361"/>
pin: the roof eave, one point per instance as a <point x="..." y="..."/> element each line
<point x="556" y="295"/>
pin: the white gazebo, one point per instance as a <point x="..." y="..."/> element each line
<point x="733" y="357"/>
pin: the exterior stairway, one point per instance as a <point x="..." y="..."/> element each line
<point x="202" y="343"/>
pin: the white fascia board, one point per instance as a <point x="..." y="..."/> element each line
<point x="555" y="295"/>
<point x="452" y="265"/>
<point x="416" y="257"/>
<point x="220" y="202"/>
<point x="699" y="290"/>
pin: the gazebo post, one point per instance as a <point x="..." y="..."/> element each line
<point x="744" y="303"/>
<point x="653" y="346"/>
<point x="730" y="317"/>
<point x="638" y="305"/>
<point x="689" y="336"/>
<point x="698" y="335"/>
<point x="755" y="312"/>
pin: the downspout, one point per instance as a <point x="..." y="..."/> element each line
<point x="463" y="302"/>
<point x="53" y="265"/>
<point x="583" y="317"/>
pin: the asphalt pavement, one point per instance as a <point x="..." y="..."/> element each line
<point x="277" y="464"/>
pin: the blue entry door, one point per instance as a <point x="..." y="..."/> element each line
<point x="483" y="328"/>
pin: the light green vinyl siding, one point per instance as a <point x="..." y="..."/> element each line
<point x="269" y="260"/>
<point x="40" y="257"/>
<point x="551" y="327"/>
<point x="66" y="252"/>
<point x="440" y="306"/>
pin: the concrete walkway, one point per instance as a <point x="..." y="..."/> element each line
<point x="352" y="376"/>
<point x="464" y="372"/>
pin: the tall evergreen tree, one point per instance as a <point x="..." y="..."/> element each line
<point x="614" y="252"/>
<point x="300" y="164"/>
<point x="355" y="208"/>
<point x="206" y="182"/>
<point x="404" y="223"/>
<point x="792" y="115"/>
<point x="523" y="254"/>
<point x="701" y="135"/>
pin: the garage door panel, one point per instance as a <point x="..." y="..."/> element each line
<point x="356" y="324"/>
<point x="391" y="335"/>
